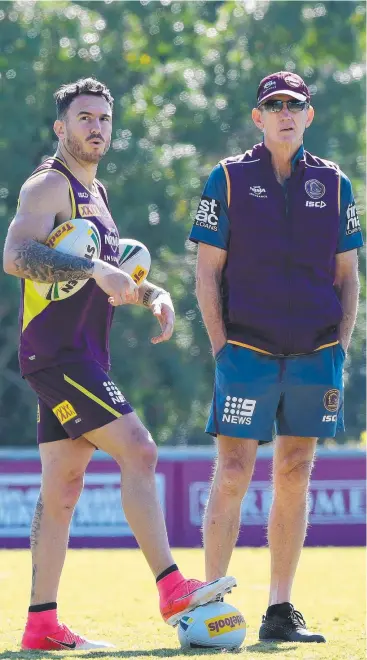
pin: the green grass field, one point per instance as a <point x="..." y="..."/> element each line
<point x="110" y="594"/>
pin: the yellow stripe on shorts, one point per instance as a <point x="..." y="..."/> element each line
<point x="252" y="348"/>
<point x="92" y="396"/>
<point x="260" y="350"/>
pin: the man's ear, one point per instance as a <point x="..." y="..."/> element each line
<point x="59" y="128"/>
<point x="257" y="118"/>
<point x="310" y="116"/>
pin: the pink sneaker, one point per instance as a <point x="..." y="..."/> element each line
<point x="190" y="594"/>
<point x="58" y="640"/>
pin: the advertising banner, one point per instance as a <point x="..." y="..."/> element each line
<point x="98" y="521"/>
<point x="337" y="500"/>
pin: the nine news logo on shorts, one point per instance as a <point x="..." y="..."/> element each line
<point x="207" y="215"/>
<point x="238" y="410"/>
<point x="353" y="224"/>
<point x="114" y="392"/>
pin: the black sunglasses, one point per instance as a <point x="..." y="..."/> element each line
<point x="276" y="105"/>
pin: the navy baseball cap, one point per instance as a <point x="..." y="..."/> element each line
<point x="283" y="82"/>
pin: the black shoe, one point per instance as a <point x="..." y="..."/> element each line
<point x="283" y="623"/>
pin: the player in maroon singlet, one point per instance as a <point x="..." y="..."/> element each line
<point x="64" y="357"/>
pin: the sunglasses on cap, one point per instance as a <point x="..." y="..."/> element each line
<point x="276" y="105"/>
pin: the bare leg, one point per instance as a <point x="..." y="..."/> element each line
<point x="233" y="472"/>
<point x="63" y="466"/>
<point x="292" y="465"/>
<point x="130" y="444"/>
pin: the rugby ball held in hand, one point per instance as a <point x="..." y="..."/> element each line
<point x="134" y="259"/>
<point x="214" y="626"/>
<point x="79" y="238"/>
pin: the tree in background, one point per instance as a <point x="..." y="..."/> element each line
<point x="184" y="77"/>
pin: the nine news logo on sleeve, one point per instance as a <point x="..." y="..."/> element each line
<point x="207" y="215"/>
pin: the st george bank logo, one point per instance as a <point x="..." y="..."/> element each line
<point x="219" y="625"/>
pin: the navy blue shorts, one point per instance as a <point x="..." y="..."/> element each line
<point x="75" y="398"/>
<point x="257" y="394"/>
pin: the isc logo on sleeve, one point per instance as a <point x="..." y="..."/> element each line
<point x="207" y="215"/>
<point x="64" y="411"/>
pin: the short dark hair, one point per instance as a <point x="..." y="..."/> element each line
<point x="67" y="93"/>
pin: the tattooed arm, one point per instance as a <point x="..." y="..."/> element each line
<point x="42" y="201"/>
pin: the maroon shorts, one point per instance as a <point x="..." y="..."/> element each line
<point x="74" y="398"/>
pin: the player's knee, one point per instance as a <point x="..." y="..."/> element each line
<point x="293" y="473"/>
<point x="61" y="494"/>
<point x="147" y="454"/>
<point x="72" y="492"/>
<point x="142" y="453"/>
<point x="231" y="477"/>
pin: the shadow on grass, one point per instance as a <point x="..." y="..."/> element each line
<point x="132" y="653"/>
<point x="259" y="647"/>
<point x="271" y="647"/>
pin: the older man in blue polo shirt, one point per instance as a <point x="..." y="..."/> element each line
<point x="277" y="285"/>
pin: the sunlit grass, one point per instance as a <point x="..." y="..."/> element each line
<point x="110" y="594"/>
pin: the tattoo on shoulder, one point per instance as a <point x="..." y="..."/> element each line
<point x="35" y="261"/>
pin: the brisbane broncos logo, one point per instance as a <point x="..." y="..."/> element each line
<point x="314" y="189"/>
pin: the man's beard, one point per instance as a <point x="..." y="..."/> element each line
<point x="75" y="148"/>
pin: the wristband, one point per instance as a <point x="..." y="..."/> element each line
<point x="152" y="294"/>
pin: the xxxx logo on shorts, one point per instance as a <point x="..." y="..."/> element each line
<point x="219" y="625"/>
<point x="64" y="411"/>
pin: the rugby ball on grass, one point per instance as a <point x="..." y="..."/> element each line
<point x="215" y="626"/>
